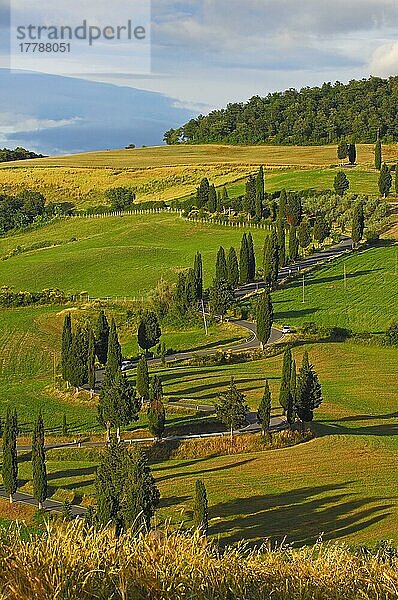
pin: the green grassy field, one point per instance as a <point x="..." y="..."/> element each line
<point x="164" y="173"/>
<point x="368" y="302"/>
<point x="342" y="483"/>
<point x="361" y="181"/>
<point x="115" y="256"/>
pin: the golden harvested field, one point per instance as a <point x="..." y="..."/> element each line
<point x="167" y="172"/>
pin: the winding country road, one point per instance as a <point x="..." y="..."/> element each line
<point x="277" y="422"/>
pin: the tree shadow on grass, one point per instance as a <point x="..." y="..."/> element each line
<point x="233" y="465"/>
<point x="300" y="515"/>
<point x="314" y="280"/>
<point x="72" y="473"/>
<point x="323" y="428"/>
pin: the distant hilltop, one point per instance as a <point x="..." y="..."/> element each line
<point x="358" y="111"/>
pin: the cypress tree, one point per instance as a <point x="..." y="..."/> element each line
<point x="10" y="458"/>
<point x="114" y="358"/>
<point x="264" y="318"/>
<point x="321" y="229"/>
<point x="91" y="360"/>
<point x="142" y="382"/>
<point x="260" y="193"/>
<point x="66" y="347"/>
<point x="352" y="153"/>
<point x="202" y="195"/>
<point x="102" y="338"/>
<point x="200" y="508"/>
<point x="212" y="202"/>
<point x="291" y="398"/>
<point x="281" y="235"/>
<point x="385" y="180"/>
<point x="233" y="268"/>
<point x="282" y="207"/>
<point x="252" y="257"/>
<point x="231" y="408"/>
<point x="125" y="489"/>
<point x="198" y="273"/>
<point x="342" y="150"/>
<point x="221" y="266"/>
<point x="341" y="183"/>
<point x="118" y="404"/>
<point x="271" y="259"/>
<point x="308" y="393"/>
<point x="358" y="223"/>
<point x="156" y="411"/>
<point x="293" y="244"/>
<point x="285" y="380"/>
<point x="39" y="471"/>
<point x="244" y="268"/>
<point x="78" y="362"/>
<point x="294" y="209"/>
<point x="264" y="410"/>
<point x="149" y="331"/>
<point x="221" y="298"/>
<point x="378" y="155"/>
<point x="304" y="234"/>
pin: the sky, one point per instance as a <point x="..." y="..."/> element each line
<point x="204" y="54"/>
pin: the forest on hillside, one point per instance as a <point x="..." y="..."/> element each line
<point x="7" y="155"/>
<point x="356" y="111"/>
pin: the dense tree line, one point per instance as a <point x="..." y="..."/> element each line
<point x="7" y="155"/>
<point x="317" y="115"/>
<point x="27" y="207"/>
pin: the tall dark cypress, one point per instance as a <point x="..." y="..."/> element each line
<point x="281" y="235"/>
<point x="202" y="195"/>
<point x="10" y="458"/>
<point x="39" y="471"/>
<point x="233" y="268"/>
<point x="114" y="359"/>
<point x="264" y="409"/>
<point x="385" y="180"/>
<point x="352" y="154"/>
<point x="142" y="380"/>
<point x="271" y="259"/>
<point x="244" y="268"/>
<point x="200" y="508"/>
<point x="91" y="360"/>
<point x="282" y="206"/>
<point x="291" y="397"/>
<point x="378" y="155"/>
<point x="252" y="257"/>
<point x="66" y="347"/>
<point x="293" y="244"/>
<point x="260" y="193"/>
<point x="102" y="338"/>
<point x="264" y="318"/>
<point x="198" y="272"/>
<point x="78" y="362"/>
<point x="286" y="379"/>
<point x="358" y="222"/>
<point x="221" y="266"/>
<point x="212" y="202"/>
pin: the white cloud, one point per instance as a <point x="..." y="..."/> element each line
<point x="11" y="124"/>
<point x="384" y="61"/>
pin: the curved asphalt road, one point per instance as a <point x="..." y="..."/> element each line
<point x="252" y="426"/>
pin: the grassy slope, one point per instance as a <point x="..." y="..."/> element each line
<point x="342" y="483"/>
<point x="171" y="172"/>
<point x="115" y="256"/>
<point x="368" y="303"/>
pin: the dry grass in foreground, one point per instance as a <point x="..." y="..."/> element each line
<point x="70" y="562"/>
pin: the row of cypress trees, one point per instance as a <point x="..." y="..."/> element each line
<point x="10" y="458"/>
